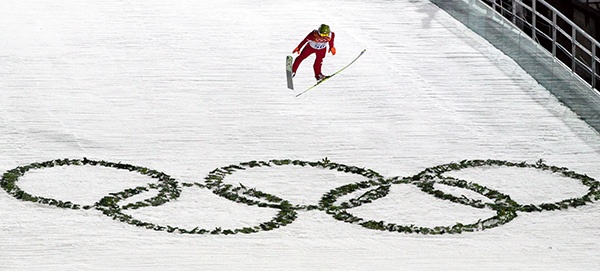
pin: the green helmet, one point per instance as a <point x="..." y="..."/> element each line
<point x="324" y="30"/>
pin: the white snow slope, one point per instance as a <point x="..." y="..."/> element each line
<point x="185" y="87"/>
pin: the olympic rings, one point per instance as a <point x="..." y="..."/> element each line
<point x="169" y="189"/>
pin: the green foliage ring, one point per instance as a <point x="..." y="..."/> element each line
<point x="9" y="182"/>
<point x="593" y="193"/>
<point x="251" y="196"/>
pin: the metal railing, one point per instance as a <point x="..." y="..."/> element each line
<point x="568" y="44"/>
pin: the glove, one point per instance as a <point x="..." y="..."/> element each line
<point x="332" y="50"/>
<point x="297" y="50"/>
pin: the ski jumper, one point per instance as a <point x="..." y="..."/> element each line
<point x="316" y="44"/>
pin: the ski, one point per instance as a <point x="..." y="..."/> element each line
<point x="288" y="70"/>
<point x="327" y="78"/>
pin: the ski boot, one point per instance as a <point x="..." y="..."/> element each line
<point x="321" y="77"/>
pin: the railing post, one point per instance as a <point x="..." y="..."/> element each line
<point x="554" y="34"/>
<point x="593" y="64"/>
<point x="514" y="12"/>
<point x="533" y="20"/>
<point x="573" y="48"/>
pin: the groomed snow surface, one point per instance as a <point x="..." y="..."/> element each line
<point x="186" y="87"/>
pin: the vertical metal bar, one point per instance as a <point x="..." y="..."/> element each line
<point x="573" y="48"/>
<point x="533" y="20"/>
<point x="553" y="33"/>
<point x="514" y="12"/>
<point x="593" y="64"/>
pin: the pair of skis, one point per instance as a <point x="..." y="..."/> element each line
<point x="290" y="82"/>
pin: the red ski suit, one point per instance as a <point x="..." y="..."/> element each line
<point x="317" y="45"/>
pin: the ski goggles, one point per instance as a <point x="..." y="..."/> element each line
<point x="324" y="34"/>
